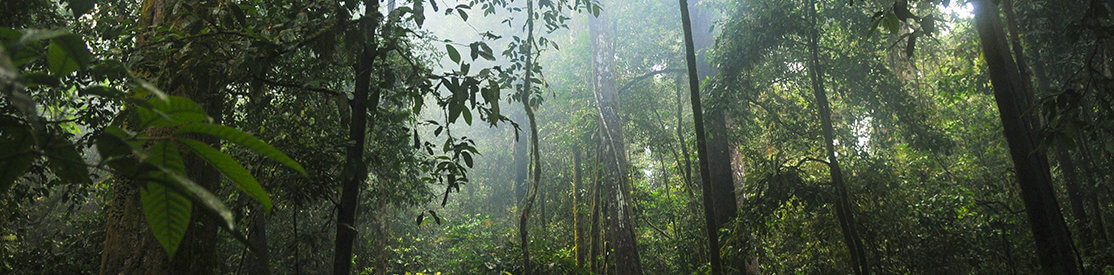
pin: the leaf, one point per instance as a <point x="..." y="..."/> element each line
<point x="80" y="7"/>
<point x="173" y="111"/>
<point x="467" y="159"/>
<point x="167" y="210"/>
<point x="102" y="91"/>
<point x="463" y="15"/>
<point x="168" y="214"/>
<point x="164" y="167"/>
<point x="66" y="162"/>
<point x="117" y="152"/>
<point x="230" y="169"/>
<point x="38" y="78"/>
<point x="467" y="114"/>
<point x="891" y="23"/>
<point x="453" y="54"/>
<point x="66" y="54"/>
<point x="15" y="146"/>
<point x="912" y="44"/>
<point x="243" y="139"/>
<point x="435" y="217"/>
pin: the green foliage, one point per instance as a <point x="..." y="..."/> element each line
<point x="243" y="139"/>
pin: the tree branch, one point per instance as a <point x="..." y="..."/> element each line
<point x="645" y="76"/>
<point x="296" y="85"/>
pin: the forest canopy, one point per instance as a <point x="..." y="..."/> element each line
<point x="556" y="136"/>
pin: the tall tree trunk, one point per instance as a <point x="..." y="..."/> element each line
<point x="577" y="228"/>
<point x="381" y="242"/>
<point x="537" y="171"/>
<point x="1075" y="197"/>
<point x="701" y="143"/>
<point x="843" y="204"/>
<point x="595" y="236"/>
<point x="719" y="143"/>
<point x="620" y="228"/>
<point x="1053" y="240"/>
<point x="355" y="169"/>
<point x="261" y="257"/>
<point x="297" y="241"/>
<point x="129" y="246"/>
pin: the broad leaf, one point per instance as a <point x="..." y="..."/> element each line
<point x="170" y="112"/>
<point x="230" y="169"/>
<point x="66" y="54"/>
<point x="66" y="162"/>
<point x="243" y="139"/>
<point x="453" y="54"/>
<point x="120" y="155"/>
<point x="168" y="214"/>
<point x="167" y="209"/>
<point x="15" y="149"/>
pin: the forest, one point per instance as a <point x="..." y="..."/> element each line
<point x="556" y="137"/>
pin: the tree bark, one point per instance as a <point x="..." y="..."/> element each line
<point x="129" y="246"/>
<point x="355" y="169"/>
<point x="261" y="257"/>
<point x="1053" y="240"/>
<point x="620" y="228"/>
<point x="1075" y="197"/>
<point x="719" y="143"/>
<point x="701" y="143"/>
<point x="843" y="204"/>
<point x="381" y="243"/>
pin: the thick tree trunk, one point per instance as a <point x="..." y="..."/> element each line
<point x="129" y="246"/>
<point x="620" y="228"/>
<point x="261" y="259"/>
<point x="355" y="169"/>
<point x="1075" y="196"/>
<point x="843" y="204"/>
<point x="1053" y="240"/>
<point x="701" y="143"/>
<point x="719" y="143"/>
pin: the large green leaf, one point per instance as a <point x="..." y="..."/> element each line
<point x="168" y="214"/>
<point x="167" y="210"/>
<point x="168" y="192"/>
<point x="243" y="139"/>
<point x="66" y="54"/>
<point x="173" y="111"/>
<point x="15" y="151"/>
<point x="231" y="170"/>
<point x="120" y="155"/>
<point x="66" y="162"/>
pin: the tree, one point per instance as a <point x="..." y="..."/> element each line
<point x="1054" y="244"/>
<point x="355" y="169"/>
<point x="843" y="204"/>
<point x="701" y="144"/>
<point x="620" y="229"/>
<point x="129" y="248"/>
